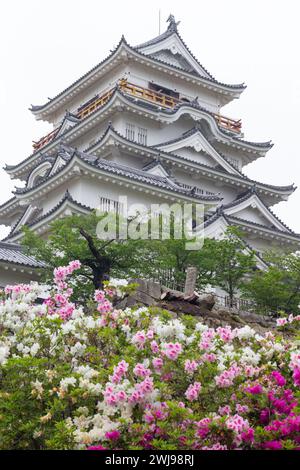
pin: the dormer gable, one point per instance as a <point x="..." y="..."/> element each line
<point x="251" y="208"/>
<point x="170" y="48"/>
<point x="195" y="140"/>
<point x="156" y="168"/>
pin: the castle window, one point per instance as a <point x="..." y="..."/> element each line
<point x="163" y="90"/>
<point x="109" y="205"/>
<point x="130" y="131"/>
<point x="142" y="135"/>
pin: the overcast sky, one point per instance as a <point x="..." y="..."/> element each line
<point x="46" y="45"/>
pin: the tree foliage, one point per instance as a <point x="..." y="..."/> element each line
<point x="277" y="288"/>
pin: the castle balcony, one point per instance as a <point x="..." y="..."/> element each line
<point x="162" y="100"/>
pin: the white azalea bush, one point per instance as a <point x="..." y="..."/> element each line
<point x="102" y="378"/>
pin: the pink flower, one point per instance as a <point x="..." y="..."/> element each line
<point x="99" y="447"/>
<point x="157" y="363"/>
<point x="296" y="377"/>
<point x="193" y="391"/>
<point x="254" y="390"/>
<point x="226" y="378"/>
<point x="217" y="446"/>
<point x="226" y="334"/>
<point x="281" y="321"/>
<point x="121" y="395"/>
<point x="209" y="357"/>
<point x="119" y="371"/>
<point x="224" y="410"/>
<point x="141" y="371"/>
<point x="241" y="408"/>
<point x="99" y="296"/>
<point x="154" y="347"/>
<point x="190" y="366"/>
<point x="113" y="435"/>
<point x="272" y="445"/>
<point x="139" y="339"/>
<point x="248" y="436"/>
<point x="172" y="350"/>
<point x="280" y="380"/>
<point x="105" y="306"/>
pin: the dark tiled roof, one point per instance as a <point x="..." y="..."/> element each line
<point x="37" y="108"/>
<point x="145" y="105"/>
<point x="169" y="33"/>
<point x="210" y="78"/>
<point x="178" y="139"/>
<point x="155" y="162"/>
<point x="217" y="215"/>
<point x="247" y="195"/>
<point x="131" y="173"/>
<point x="241" y="221"/>
<point x="67" y="197"/>
<point x="7" y="202"/>
<point x="13" y="254"/>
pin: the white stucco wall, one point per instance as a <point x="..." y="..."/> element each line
<point x="10" y="274"/>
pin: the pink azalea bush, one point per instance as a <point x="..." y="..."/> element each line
<point x="103" y="378"/>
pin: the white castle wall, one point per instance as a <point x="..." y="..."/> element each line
<point x="10" y="276"/>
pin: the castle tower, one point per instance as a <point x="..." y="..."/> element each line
<point x="146" y="122"/>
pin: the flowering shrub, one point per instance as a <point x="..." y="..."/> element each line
<point x="138" y="378"/>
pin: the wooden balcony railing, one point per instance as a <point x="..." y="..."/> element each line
<point x="229" y="124"/>
<point x="44" y="140"/>
<point x="160" y="99"/>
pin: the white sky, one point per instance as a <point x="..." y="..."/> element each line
<point x="46" y="45"/>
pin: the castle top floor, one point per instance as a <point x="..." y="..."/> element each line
<point x="163" y="65"/>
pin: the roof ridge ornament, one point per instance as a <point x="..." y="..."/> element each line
<point x="172" y="24"/>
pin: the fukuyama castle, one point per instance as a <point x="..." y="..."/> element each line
<point x="146" y="122"/>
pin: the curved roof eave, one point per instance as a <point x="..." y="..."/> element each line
<point x="37" y="109"/>
<point x="123" y="172"/>
<point x="156" y="150"/>
<point x="177" y="112"/>
<point x="67" y="198"/>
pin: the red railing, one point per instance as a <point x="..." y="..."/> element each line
<point x="160" y="99"/>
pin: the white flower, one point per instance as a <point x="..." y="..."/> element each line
<point x="65" y="383"/>
<point x="200" y="327"/>
<point x="250" y="357"/>
<point x="78" y="349"/>
<point x="34" y="349"/>
<point x="245" y="333"/>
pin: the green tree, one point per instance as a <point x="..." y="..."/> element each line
<point x="233" y="262"/>
<point x="277" y="288"/>
<point x="75" y="237"/>
<point x="224" y="263"/>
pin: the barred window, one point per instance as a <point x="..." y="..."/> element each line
<point x="108" y="205"/>
<point x="142" y="135"/>
<point x="130" y="131"/>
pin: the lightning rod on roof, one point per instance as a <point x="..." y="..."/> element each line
<point x="159" y="22"/>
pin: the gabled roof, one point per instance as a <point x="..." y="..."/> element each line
<point x="239" y="221"/>
<point x="65" y="202"/>
<point x="251" y="197"/>
<point x="158" y="151"/>
<point x="14" y="254"/>
<point x="217" y="222"/>
<point x="155" y="167"/>
<point x="195" y="138"/>
<point x="123" y="172"/>
<point x="27" y="214"/>
<point x="177" y="47"/>
<point x="193" y="109"/>
<point x="123" y="45"/>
